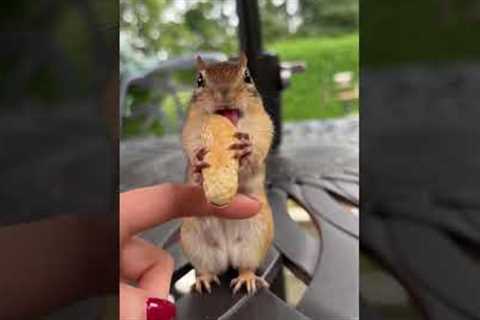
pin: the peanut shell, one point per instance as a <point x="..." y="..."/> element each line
<point x="220" y="179"/>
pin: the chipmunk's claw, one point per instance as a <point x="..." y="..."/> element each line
<point x="243" y="148"/>
<point x="250" y="280"/>
<point x="198" y="164"/>
<point x="200" y="153"/>
<point x="205" y="280"/>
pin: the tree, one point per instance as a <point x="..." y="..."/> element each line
<point x="329" y="16"/>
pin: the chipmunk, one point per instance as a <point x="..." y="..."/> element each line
<point x="213" y="244"/>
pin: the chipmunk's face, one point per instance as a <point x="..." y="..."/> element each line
<point x="226" y="88"/>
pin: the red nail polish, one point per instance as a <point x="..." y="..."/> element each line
<point x="160" y="309"/>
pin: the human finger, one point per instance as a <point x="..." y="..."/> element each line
<point x="144" y="208"/>
<point x="147" y="265"/>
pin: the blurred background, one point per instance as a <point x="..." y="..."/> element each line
<point x="159" y="39"/>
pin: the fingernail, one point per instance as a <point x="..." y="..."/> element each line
<point x="160" y="309"/>
<point x="251" y="196"/>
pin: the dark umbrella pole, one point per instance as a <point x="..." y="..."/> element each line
<point x="264" y="67"/>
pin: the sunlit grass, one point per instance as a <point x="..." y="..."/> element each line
<point x="312" y="94"/>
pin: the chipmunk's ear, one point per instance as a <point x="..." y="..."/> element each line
<point x="243" y="59"/>
<point x="201" y="65"/>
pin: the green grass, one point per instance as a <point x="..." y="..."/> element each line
<point x="312" y="94"/>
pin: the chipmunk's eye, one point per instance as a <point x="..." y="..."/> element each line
<point x="200" y="81"/>
<point x="247" y="77"/>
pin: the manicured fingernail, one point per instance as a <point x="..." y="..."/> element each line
<point x="160" y="309"/>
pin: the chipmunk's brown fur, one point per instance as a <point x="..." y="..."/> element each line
<point x="213" y="244"/>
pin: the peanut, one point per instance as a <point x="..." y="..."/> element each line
<point x="220" y="179"/>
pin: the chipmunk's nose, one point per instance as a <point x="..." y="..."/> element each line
<point x="224" y="91"/>
<point x="223" y="95"/>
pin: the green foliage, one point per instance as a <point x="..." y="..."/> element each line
<point x="329" y="16"/>
<point x="312" y="94"/>
<point x="274" y="26"/>
<point x="134" y="127"/>
<point x="152" y="30"/>
<point x="140" y="125"/>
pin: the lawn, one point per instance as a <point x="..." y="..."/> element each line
<point x="312" y="94"/>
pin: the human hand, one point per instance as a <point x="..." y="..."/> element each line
<point x="145" y="264"/>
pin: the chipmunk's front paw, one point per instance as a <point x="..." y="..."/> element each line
<point x="243" y="148"/>
<point x="198" y="164"/>
<point x="204" y="280"/>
